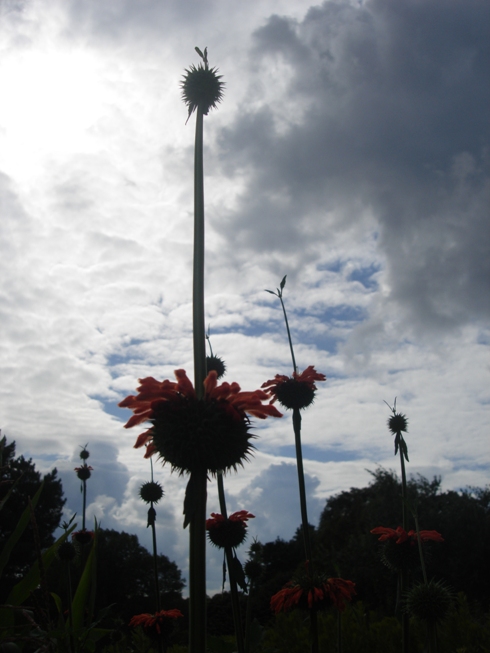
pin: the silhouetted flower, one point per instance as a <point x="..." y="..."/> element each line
<point x="194" y="434"/>
<point x="83" y="537"/>
<point x="296" y="391"/>
<point x="158" y="624"/>
<point x="399" y="535"/>
<point x="228" y="532"/>
<point x="400" y="550"/>
<point x="83" y="472"/>
<point x="313" y="592"/>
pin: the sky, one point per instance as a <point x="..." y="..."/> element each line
<point x="350" y="153"/>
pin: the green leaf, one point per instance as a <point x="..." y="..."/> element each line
<point x="23" y="589"/>
<point x="238" y="574"/>
<point x="191" y="499"/>
<point x="283" y="282"/>
<point x="397" y="442"/>
<point x="199" y="52"/>
<point x="19" y="529"/>
<point x="272" y="292"/>
<point x="404" y="449"/>
<point x="82" y="593"/>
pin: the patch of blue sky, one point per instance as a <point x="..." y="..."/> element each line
<point x="365" y="276"/>
<point x="332" y="266"/>
<point x="335" y="455"/>
<point x="111" y="408"/>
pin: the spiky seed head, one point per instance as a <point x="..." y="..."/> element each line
<point x="217" y="364"/>
<point x="84" y="454"/>
<point x="429" y="602"/>
<point x="151" y="492"/>
<point x="66" y="551"/>
<point x="398" y="423"/>
<point x="195" y="435"/>
<point x="201" y="88"/>
<point x="252" y="569"/>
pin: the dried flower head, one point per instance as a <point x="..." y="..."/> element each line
<point x="66" y="552"/>
<point x="151" y="492"/>
<point x="202" y="87"/>
<point x="191" y="434"/>
<point x="216" y="364"/>
<point x="398" y="423"/>
<point x="429" y="602"/>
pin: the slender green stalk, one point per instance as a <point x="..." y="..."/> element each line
<point x="235" y="602"/>
<point x="404" y="484"/>
<point x="295" y="368"/>
<point x="199" y="331"/>
<point x="302" y="487"/>
<point x="403" y="574"/>
<point x="84" y="503"/>
<point x="197" y="525"/>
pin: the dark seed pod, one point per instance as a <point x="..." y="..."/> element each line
<point x="217" y="364"/>
<point x="202" y="88"/>
<point x="429" y="602"/>
<point x="84" y="454"/>
<point x="66" y="551"/>
<point x="151" y="492"/>
<point x="398" y="423"/>
<point x="253" y="569"/>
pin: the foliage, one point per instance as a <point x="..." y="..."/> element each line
<point x="21" y="475"/>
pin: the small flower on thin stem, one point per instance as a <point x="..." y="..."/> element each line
<point x="228" y="532"/>
<point x="313" y="592"/>
<point x="214" y="362"/>
<point x="159" y="624"/>
<point x="192" y="434"/>
<point x="83" y="537"/>
<point x="83" y="472"/>
<point x="399" y="535"/>
<point x="400" y="547"/>
<point x="296" y="391"/>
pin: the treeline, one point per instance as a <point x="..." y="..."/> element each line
<point x="342" y="544"/>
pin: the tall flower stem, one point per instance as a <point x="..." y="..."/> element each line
<point x="197" y="524"/>
<point x="235" y="602"/>
<point x="295" y="369"/>
<point x="84" y="504"/>
<point x="302" y="485"/>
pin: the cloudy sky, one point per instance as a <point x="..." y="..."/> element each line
<point x="350" y="152"/>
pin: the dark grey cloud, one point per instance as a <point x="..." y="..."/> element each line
<point x="392" y="117"/>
